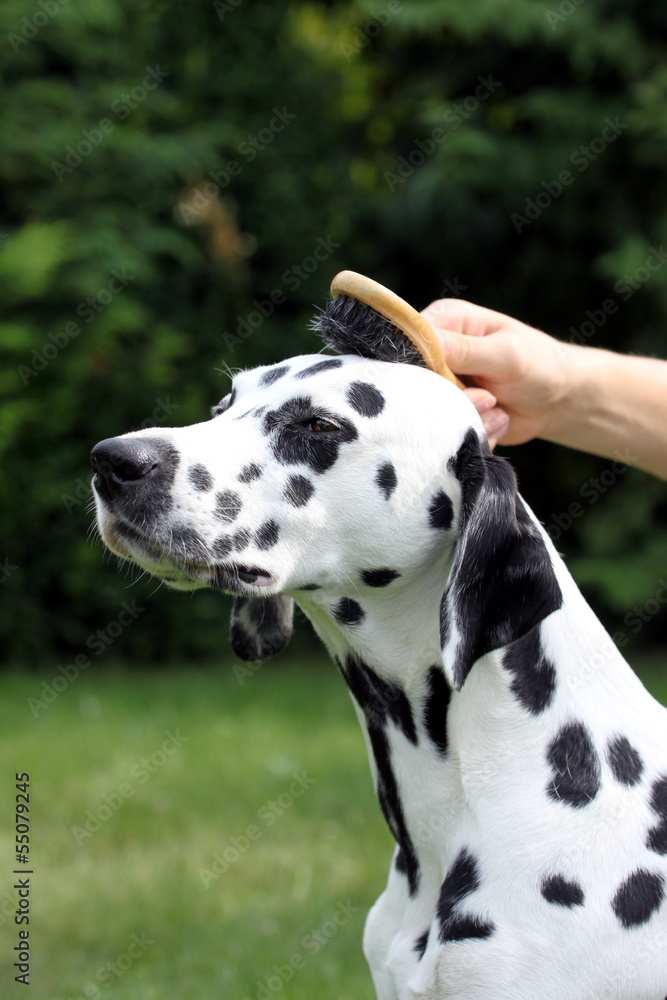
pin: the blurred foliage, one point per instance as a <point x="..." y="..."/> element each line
<point x="165" y="169"/>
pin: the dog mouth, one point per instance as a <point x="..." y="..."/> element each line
<point x="221" y="576"/>
<point x="226" y="577"/>
<point x="183" y="571"/>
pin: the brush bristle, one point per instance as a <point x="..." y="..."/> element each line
<point x="350" y="327"/>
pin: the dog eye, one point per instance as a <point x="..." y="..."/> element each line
<point x="223" y="405"/>
<point x="316" y="425"/>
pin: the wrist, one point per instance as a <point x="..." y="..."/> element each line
<point x="582" y="404"/>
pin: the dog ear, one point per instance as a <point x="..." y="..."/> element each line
<point x="261" y="627"/>
<point x="502" y="582"/>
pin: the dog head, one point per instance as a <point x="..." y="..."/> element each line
<point x="328" y="474"/>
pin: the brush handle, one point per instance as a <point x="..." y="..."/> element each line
<point x="401" y="314"/>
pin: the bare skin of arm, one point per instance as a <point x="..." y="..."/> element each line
<point x="526" y="384"/>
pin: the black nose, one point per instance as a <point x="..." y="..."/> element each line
<point x="120" y="461"/>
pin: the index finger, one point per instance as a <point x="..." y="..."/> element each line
<point x="463" y="317"/>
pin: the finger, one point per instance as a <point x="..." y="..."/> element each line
<point x="496" y="423"/>
<point x="463" y="317"/>
<point x="479" y="356"/>
<point x="482" y="399"/>
<point x="501" y="433"/>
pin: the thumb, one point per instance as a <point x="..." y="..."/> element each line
<point x="470" y="355"/>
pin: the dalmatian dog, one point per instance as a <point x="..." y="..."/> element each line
<point x="520" y="764"/>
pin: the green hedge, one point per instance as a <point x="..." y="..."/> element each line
<point x="172" y="174"/>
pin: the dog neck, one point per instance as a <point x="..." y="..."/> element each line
<point x="393" y="629"/>
<point x="436" y="752"/>
<point x="391" y="661"/>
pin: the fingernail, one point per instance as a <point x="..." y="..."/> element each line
<point x="497" y="424"/>
<point x="485" y="404"/>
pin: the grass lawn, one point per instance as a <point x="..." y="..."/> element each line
<point x="191" y="833"/>
<point x="182" y="766"/>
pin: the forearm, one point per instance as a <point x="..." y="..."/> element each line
<point x="616" y="407"/>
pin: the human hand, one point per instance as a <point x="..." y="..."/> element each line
<point x="518" y="377"/>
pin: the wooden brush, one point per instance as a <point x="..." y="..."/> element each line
<point x="368" y="319"/>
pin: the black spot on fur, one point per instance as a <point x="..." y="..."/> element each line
<point x="502" y="582"/>
<point x="185" y="542"/>
<point x="267" y="536"/>
<point x="241" y="539"/>
<point x="461" y="880"/>
<point x="293" y="444"/>
<point x="227" y="505"/>
<point x="380" y="702"/>
<point x="153" y="547"/>
<point x="440" y="512"/>
<point x="254" y="411"/>
<point x="435" y="709"/>
<point x="379" y="577"/>
<point x="319" y="366"/>
<point x="309" y="586"/>
<point x="388" y="795"/>
<point x="624" y="761"/>
<point x="556" y="889"/>
<point x="298" y="491"/>
<point x="657" y="838"/>
<point x="200" y="478"/>
<point x="392" y="809"/>
<point x="400" y="863"/>
<point x="258" y="611"/>
<point x="261" y="627"/>
<point x="224" y="404"/>
<point x="462" y="927"/>
<point x="534" y="680"/>
<point x="386" y="479"/>
<point x="222" y="546"/>
<point x="249" y="473"/>
<point x="348" y="612"/>
<point x="421" y="944"/>
<point x="638" y="898"/>
<point x="365" y="399"/>
<point x="273" y="374"/>
<point x="575" y="764"/>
